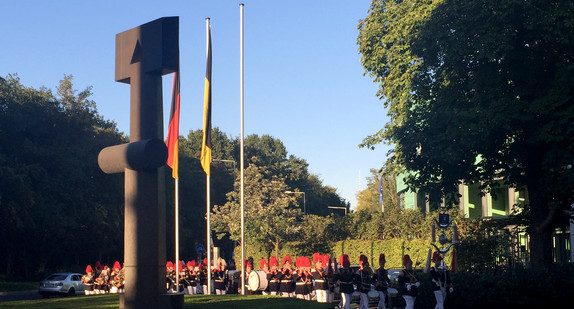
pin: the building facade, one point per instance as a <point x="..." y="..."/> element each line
<point x="498" y="205"/>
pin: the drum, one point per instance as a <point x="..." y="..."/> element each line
<point x="392" y="292"/>
<point x="257" y="280"/>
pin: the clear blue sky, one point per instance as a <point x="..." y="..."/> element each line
<point x="304" y="83"/>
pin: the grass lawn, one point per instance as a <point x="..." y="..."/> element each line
<point x="191" y="301"/>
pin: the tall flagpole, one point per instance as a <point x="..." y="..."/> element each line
<point x="241" y="148"/>
<point x="177" y="270"/>
<point x="173" y="153"/>
<point x="208" y="187"/>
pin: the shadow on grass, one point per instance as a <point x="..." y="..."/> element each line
<point x="191" y="302"/>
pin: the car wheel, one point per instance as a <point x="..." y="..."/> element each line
<point x="44" y="295"/>
<point x="71" y="292"/>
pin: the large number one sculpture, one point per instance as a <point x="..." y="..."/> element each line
<point x="143" y="55"/>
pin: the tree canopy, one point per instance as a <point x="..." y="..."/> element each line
<point x="478" y="90"/>
<point x="56" y="206"/>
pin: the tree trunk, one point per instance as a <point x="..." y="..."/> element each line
<point x="541" y="227"/>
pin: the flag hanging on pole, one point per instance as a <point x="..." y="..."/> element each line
<point x="172" y="141"/>
<point x="206" y="143"/>
<point x="381" y="193"/>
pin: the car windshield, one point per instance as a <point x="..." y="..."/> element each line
<point x="56" y="277"/>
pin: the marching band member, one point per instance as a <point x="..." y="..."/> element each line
<point x="181" y="277"/>
<point x="221" y="277"/>
<point x="248" y="268"/>
<point x="264" y="267"/>
<point x="285" y="276"/>
<point x="332" y="262"/>
<point x="272" y="279"/>
<point x="344" y="279"/>
<point x="381" y="281"/>
<point x="116" y="280"/>
<point x="408" y="282"/>
<point x="88" y="280"/>
<point x="300" y="278"/>
<point x="440" y="279"/>
<point x="98" y="269"/>
<point x="102" y="282"/>
<point x="309" y="291"/>
<point x="321" y="285"/>
<point x="191" y="278"/>
<point x="362" y="279"/>
<point x="203" y="276"/>
<point x="169" y="277"/>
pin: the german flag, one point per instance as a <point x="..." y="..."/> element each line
<point x="172" y="141"/>
<point x="206" y="143"/>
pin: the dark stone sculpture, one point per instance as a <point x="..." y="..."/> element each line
<point x="143" y="55"/>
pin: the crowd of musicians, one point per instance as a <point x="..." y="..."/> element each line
<point x="319" y="280"/>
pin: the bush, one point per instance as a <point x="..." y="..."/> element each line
<point x="520" y="288"/>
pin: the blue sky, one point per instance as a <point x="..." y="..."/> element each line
<point x="304" y="83"/>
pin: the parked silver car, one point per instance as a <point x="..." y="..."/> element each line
<point x="61" y="284"/>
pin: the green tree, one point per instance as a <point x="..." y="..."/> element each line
<point x="270" y="216"/>
<point x="477" y="90"/>
<point x="57" y="208"/>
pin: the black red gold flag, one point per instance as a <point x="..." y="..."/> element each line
<point x="206" y="143"/>
<point x="172" y="141"/>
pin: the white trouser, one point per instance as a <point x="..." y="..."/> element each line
<point x="321" y="296"/>
<point x="381" y="304"/>
<point x="439" y="295"/>
<point x="345" y="301"/>
<point x="364" y="303"/>
<point x="410" y="300"/>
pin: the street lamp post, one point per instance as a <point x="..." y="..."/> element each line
<point x="304" y="199"/>
<point x="338" y="207"/>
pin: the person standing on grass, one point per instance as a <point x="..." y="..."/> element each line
<point x="344" y="279"/>
<point x="381" y="281"/>
<point x="409" y="282"/>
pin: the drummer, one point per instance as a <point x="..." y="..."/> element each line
<point x="265" y="268"/>
<point x="248" y="268"/>
<point x="272" y="280"/>
<point x="381" y="281"/>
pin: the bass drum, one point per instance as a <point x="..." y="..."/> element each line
<point x="257" y="280"/>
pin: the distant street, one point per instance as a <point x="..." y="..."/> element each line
<point x="22" y="295"/>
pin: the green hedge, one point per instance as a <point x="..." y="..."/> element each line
<point x="394" y="250"/>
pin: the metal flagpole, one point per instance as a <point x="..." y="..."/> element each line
<point x="208" y="188"/>
<point x="241" y="148"/>
<point x="177" y="270"/>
